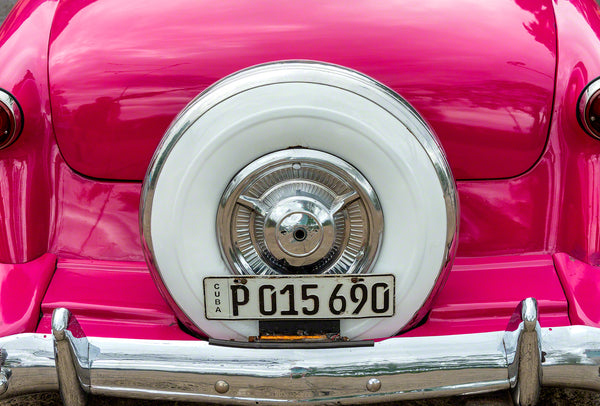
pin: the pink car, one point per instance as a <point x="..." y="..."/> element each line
<point x="260" y="202"/>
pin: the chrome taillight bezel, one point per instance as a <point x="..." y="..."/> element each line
<point x="10" y="106"/>
<point x="589" y="96"/>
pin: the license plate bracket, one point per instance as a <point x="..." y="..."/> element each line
<point x="300" y="327"/>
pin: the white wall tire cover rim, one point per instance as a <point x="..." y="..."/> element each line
<point x="310" y="105"/>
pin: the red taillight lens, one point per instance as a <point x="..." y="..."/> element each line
<point x="594" y="113"/>
<point x="588" y="109"/>
<point x="11" y="119"/>
<point x="5" y="126"/>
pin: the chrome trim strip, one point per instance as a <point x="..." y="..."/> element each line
<point x="307" y="376"/>
<point x="394" y="369"/>
<point x="571" y="357"/>
<point x="28" y="362"/>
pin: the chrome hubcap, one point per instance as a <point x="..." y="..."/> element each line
<point x="299" y="212"/>
<point x="299" y="230"/>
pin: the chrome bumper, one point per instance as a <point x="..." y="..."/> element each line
<point x="520" y="359"/>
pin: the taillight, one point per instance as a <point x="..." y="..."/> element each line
<point x="588" y="108"/>
<point x="11" y="119"/>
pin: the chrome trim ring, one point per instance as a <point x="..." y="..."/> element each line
<point x="15" y="116"/>
<point x="589" y="121"/>
<point x="299" y="211"/>
<point x="374" y="129"/>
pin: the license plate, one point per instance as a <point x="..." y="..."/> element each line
<point x="294" y="297"/>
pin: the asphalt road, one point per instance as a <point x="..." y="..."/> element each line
<point x="549" y="396"/>
<point x="5" y="6"/>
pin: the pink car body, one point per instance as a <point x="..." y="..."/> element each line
<point x="100" y="82"/>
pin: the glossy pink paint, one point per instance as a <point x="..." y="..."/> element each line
<point x="95" y="219"/>
<point x="481" y="295"/>
<point x="119" y="299"/>
<point x="554" y="207"/>
<point x="484" y="84"/>
<point x="22" y="287"/>
<point x="92" y="225"/>
<point x="516" y="215"/>
<point x="576" y="155"/>
<point x="25" y="167"/>
<point x="110" y="299"/>
<point x="581" y="283"/>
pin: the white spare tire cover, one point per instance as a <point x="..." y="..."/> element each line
<point x="327" y="110"/>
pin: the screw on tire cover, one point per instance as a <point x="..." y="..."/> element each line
<point x="295" y="106"/>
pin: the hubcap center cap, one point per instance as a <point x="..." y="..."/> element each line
<point x="299" y="230"/>
<point x="299" y="234"/>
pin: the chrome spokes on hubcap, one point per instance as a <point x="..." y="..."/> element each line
<point x="299" y="211"/>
